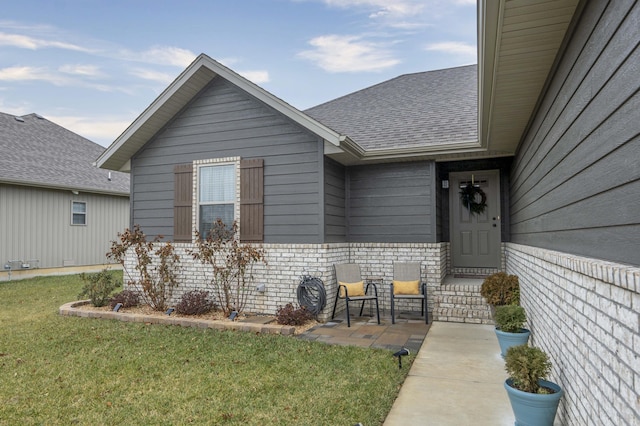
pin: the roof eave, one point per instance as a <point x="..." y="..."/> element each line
<point x="177" y="95"/>
<point x="19" y="182"/>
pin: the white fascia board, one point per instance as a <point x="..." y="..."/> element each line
<point x="218" y="69"/>
<point x="276" y="103"/>
<point x="130" y="131"/>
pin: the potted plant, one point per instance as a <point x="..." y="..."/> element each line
<point x="500" y="289"/>
<point x="510" y="329"/>
<point x="534" y="399"/>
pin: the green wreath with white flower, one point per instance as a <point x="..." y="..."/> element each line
<point x="469" y="197"/>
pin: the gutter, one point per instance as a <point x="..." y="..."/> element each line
<point x="64" y="187"/>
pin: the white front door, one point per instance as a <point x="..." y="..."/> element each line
<point x="475" y="237"/>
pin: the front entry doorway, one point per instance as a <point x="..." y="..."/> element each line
<point x="475" y="236"/>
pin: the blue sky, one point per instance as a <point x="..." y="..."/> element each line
<point x="93" y="66"/>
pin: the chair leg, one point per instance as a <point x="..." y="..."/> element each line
<point x="377" y="310"/>
<point x="335" y="304"/>
<point x="348" y="316"/>
<point x="393" y="313"/>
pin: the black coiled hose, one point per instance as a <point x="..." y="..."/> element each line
<point x="311" y="294"/>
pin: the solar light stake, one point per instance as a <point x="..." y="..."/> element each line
<point x="402" y="352"/>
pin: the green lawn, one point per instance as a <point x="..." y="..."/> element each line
<point x="69" y="370"/>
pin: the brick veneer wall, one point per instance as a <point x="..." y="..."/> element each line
<point x="287" y="263"/>
<point x="586" y="314"/>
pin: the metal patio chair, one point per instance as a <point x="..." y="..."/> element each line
<point x="351" y="288"/>
<point x="407" y="284"/>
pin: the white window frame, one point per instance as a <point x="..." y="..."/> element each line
<point x="198" y="165"/>
<point x="73" y="213"/>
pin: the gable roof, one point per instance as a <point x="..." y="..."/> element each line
<point x="517" y="46"/>
<point x="427" y="110"/>
<point x="179" y="93"/>
<point x="38" y="152"/>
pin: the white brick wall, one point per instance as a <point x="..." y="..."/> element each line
<point x="586" y="314"/>
<point x="287" y="263"/>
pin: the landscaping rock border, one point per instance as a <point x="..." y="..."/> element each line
<point x="249" y="324"/>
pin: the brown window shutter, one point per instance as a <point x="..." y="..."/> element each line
<point x="182" y="201"/>
<point x="251" y="200"/>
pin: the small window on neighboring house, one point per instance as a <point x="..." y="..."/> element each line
<point x="216" y="195"/>
<point x="78" y="213"/>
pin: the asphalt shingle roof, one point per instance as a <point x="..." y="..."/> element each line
<point x="413" y="110"/>
<point x="38" y="152"/>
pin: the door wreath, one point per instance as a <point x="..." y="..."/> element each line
<point x="468" y="196"/>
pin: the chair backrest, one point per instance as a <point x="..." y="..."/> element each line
<point x="348" y="272"/>
<point x="409" y="271"/>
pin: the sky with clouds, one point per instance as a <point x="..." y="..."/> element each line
<point x="93" y="66"/>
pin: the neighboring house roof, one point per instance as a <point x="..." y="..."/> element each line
<point x="37" y="152"/>
<point x="413" y="111"/>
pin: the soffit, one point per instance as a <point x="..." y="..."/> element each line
<point x="519" y="41"/>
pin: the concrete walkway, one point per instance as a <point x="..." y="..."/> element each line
<point x="456" y="379"/>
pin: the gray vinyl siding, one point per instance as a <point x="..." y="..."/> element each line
<point x="224" y="121"/>
<point x="576" y="181"/>
<point x="36" y="225"/>
<point x="391" y="203"/>
<point x="334" y="196"/>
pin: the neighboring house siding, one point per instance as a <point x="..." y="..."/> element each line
<point x="391" y="203"/>
<point x="36" y="225"/>
<point x="224" y="121"/>
<point x="576" y="181"/>
<point x="334" y="197"/>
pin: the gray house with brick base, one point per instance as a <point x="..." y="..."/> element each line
<point x="547" y="125"/>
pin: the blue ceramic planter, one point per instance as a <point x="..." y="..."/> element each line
<point x="506" y="340"/>
<point x="533" y="409"/>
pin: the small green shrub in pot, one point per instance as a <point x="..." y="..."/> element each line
<point x="526" y="366"/>
<point x="501" y="289"/>
<point x="510" y="318"/>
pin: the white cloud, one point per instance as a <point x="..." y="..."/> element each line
<point x="16" y="74"/>
<point x="396" y="14"/>
<point x="26" y="42"/>
<point x="152" y="75"/>
<point x="336" y="53"/>
<point x="398" y="8"/>
<point x="257" y="77"/>
<point x="103" y="130"/>
<point x="81" y="70"/>
<point x="31" y="74"/>
<point x="164" y="55"/>
<point x="454" y="47"/>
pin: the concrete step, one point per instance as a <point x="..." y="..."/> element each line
<point x="459" y="300"/>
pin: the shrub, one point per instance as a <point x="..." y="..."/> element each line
<point x="128" y="298"/>
<point x="157" y="269"/>
<point x="231" y="265"/>
<point x="195" y="302"/>
<point x="288" y="315"/>
<point x="501" y="289"/>
<point x="98" y="287"/>
<point x="510" y="318"/>
<point x="525" y="366"/>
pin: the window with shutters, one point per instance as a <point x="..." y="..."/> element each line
<point x="226" y="188"/>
